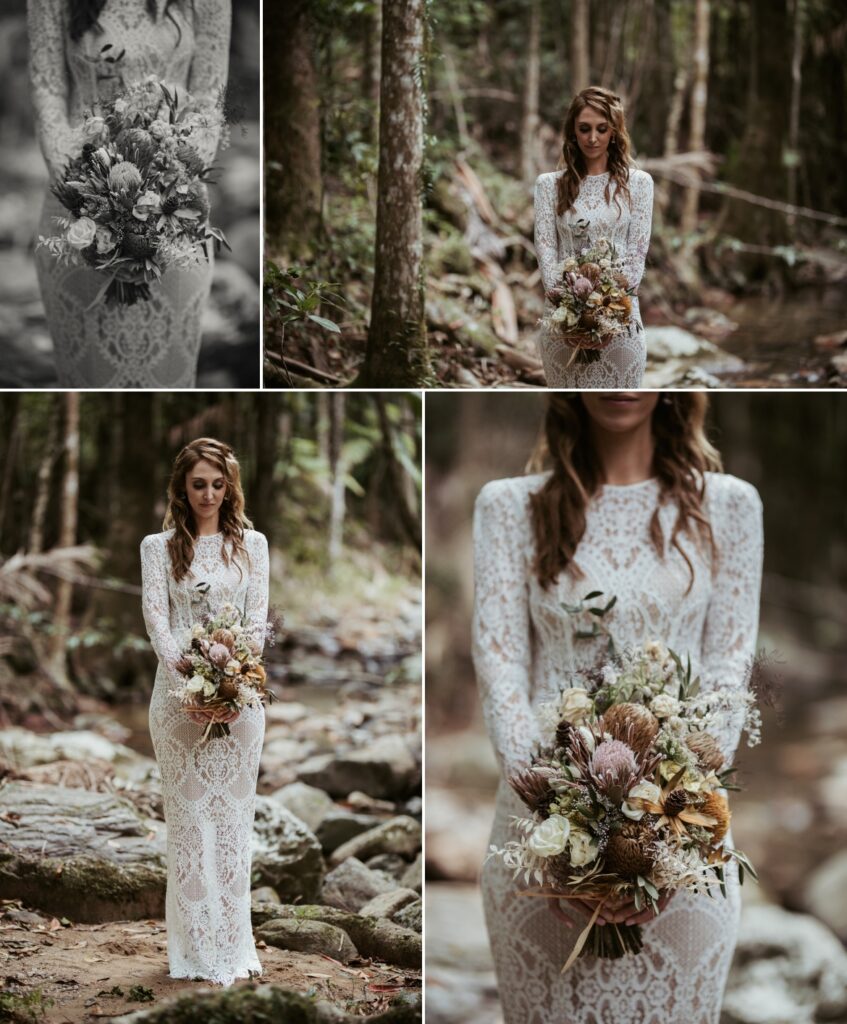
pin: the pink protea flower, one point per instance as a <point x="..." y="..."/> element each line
<point x="613" y="764"/>
<point x="219" y="655"/>
<point x="582" y="287"/>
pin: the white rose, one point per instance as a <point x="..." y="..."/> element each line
<point x="81" y="233"/>
<point x="605" y="264"/>
<point x="583" y="848"/>
<point x="575" y="704"/>
<point x="559" y="314"/>
<point x="208" y="689"/>
<point x="643" y="791"/>
<point x="195" y="684"/>
<point x="105" y="240"/>
<point x="550" y="837"/>
<point x="663" y="705"/>
<point x="608" y="675"/>
<point x="233" y="667"/>
<point x="146" y="204"/>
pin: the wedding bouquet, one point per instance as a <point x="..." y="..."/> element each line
<point x="221" y="668"/>
<point x="136" y="195"/>
<point x="625" y="792"/>
<point x="595" y="306"/>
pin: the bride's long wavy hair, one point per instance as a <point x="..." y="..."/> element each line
<point x="85" y="14"/>
<point x="179" y="517"/>
<point x="572" y="160"/>
<point x="681" y="458"/>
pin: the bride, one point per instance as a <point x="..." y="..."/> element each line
<point x="84" y="52"/>
<point x="207" y="557"/>
<point x="597" y="194"/>
<point x="635" y="506"/>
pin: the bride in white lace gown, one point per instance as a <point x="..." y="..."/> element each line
<point x="209" y="557"/>
<point x="672" y="587"/>
<point x="598" y="194"/>
<point x="154" y="343"/>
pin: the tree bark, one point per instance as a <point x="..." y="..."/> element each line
<point x="42" y="487"/>
<point x="56" y="650"/>
<point x="10" y="457"/>
<point x="293" y="184"/>
<point x="264" y="459"/>
<point x="372" y="71"/>
<point x="792" y="157"/>
<point x="397" y="354"/>
<point x="337" y="471"/>
<point x="530" y="119"/>
<point x="699" y="94"/>
<point x="580" y="70"/>
<point x="409" y="519"/>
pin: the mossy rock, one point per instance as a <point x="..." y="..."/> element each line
<point x="463" y="323"/>
<point x="450" y="255"/>
<point x="373" y="937"/>
<point x="309" y="937"/>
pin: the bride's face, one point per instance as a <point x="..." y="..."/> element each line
<point x="619" y="412"/>
<point x="205" y="487"/>
<point x="593" y="133"/>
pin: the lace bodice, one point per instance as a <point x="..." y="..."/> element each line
<point x="523" y="643"/>
<point x="188" y="47"/>
<point x="171" y="608"/>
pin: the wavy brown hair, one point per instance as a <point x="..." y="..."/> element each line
<point x="572" y="159"/>
<point x="179" y="516"/>
<point x="681" y="458"/>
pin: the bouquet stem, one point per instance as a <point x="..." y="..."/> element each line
<point x="216" y="731"/>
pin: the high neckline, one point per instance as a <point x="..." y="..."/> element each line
<point x="602" y="174"/>
<point x="630" y="487"/>
<point x="209" y="536"/>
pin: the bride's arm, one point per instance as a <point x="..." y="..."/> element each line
<point x="155" y="603"/>
<point x="501" y="626"/>
<point x="546" y="241"/>
<point x="638" y="234"/>
<point x="732" y="619"/>
<point x="48" y="72"/>
<point x="210" y="63"/>
<point x="256" y="607"/>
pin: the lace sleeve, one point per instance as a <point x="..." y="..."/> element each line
<point x="210" y="64"/>
<point x="638" y="234"/>
<point x="50" y="82"/>
<point x="155" y="602"/>
<point x="501" y="641"/>
<point x="256" y="607"/>
<point x="546" y="239"/>
<point x="732" y="619"/>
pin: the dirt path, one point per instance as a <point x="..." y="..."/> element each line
<point x="82" y="967"/>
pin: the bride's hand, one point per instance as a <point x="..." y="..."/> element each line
<point x="624" y="911"/>
<point x="202" y="716"/>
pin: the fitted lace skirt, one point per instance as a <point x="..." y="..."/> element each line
<point x="620" y="366"/>
<point x="151" y="344"/>
<point x="678" y="978"/>
<point x="209" y="792"/>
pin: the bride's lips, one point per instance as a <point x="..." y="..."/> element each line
<point x="621" y="398"/>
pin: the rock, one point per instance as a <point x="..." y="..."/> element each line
<point x="389" y="864"/>
<point x="306" y="936"/>
<point x="401" y="835"/>
<point x="830" y="342"/>
<point x="311" y="805"/>
<point x="265" y="894"/>
<point x="384" y="769"/>
<point x="412" y="877"/>
<point x="388" y="904"/>
<point x="825" y="894"/>
<point x="365" y="804"/>
<point x="339" y="826"/>
<point x="237" y="1005"/>
<point x="788" y="968"/>
<point x="411" y="916"/>
<point x="373" y="937"/>
<point x="84" y="855"/>
<point x="351" y="885"/>
<point x="286" y="855"/>
<point x="26" y="749"/>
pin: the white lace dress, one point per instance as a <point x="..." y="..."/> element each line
<point x="209" y="788"/>
<point x="151" y="344"/>
<point x="621" y="364"/>
<point x="524" y="650"/>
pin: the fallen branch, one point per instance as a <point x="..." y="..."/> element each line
<point x="304" y="369"/>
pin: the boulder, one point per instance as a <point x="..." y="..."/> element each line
<point x="788" y="968"/>
<point x="265" y="894"/>
<point x="84" y="855"/>
<point x="351" y="885"/>
<point x="385" y="769"/>
<point x="401" y="835"/>
<point x="286" y="855"/>
<point x="388" y="904"/>
<point x="373" y="937"/>
<point x="389" y="864"/>
<point x="305" y="936"/>
<point x="411" y="916"/>
<point x="412" y="877"/>
<point x="339" y="826"/>
<point x="311" y="805"/>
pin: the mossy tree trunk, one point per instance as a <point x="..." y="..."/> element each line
<point x="580" y="70"/>
<point x="530" y="118"/>
<point x="699" y="93"/>
<point x="397" y="353"/>
<point x="292" y="130"/>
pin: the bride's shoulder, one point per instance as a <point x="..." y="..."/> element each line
<point x="154" y="541"/>
<point x="548" y="179"/>
<point x="255" y="540"/>
<point x="639" y="179"/>
<point x="731" y="495"/>
<point x="509" y="493"/>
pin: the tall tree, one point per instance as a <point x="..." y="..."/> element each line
<point x="792" y="154"/>
<point x="530" y="119"/>
<point x="699" y="93"/>
<point x="292" y="129"/>
<point x="580" y="71"/>
<point x="397" y="354"/>
<point x="372" y="71"/>
<point x="337" y="471"/>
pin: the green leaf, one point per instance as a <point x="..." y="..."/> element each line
<point x="592" y="595"/>
<point x="611" y="603"/>
<point x="326" y="324"/>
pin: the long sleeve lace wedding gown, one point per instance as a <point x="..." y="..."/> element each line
<point x="621" y="364"/>
<point x="525" y="651"/>
<point x="154" y="343"/>
<point x="209" y="788"/>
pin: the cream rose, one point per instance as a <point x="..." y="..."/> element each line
<point x="105" y="240"/>
<point x="643" y="791"/>
<point x="146" y="204"/>
<point x="663" y="705"/>
<point x="550" y="837"/>
<point x="575" y="705"/>
<point x="81" y="233"/>
<point x="195" y="684"/>
<point x="582" y="846"/>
